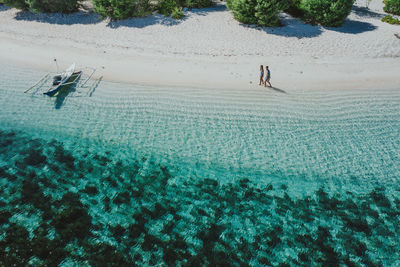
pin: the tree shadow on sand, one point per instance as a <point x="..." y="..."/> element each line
<point x="366" y="13"/>
<point x="293" y="27"/>
<point x="144" y="22"/>
<point x="79" y="17"/>
<point x="354" y="27"/>
<point x="4" y="7"/>
<point x="162" y="20"/>
<point x="207" y="10"/>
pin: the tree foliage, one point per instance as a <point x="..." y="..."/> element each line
<point x="177" y="13"/>
<point x="121" y="9"/>
<point x="294" y="8"/>
<point x="261" y="12"/>
<point x="267" y="12"/>
<point x="392" y="6"/>
<point x="197" y="3"/>
<point x="53" y="6"/>
<point x="47" y="6"/>
<point x="389" y="19"/>
<point x="20" y="4"/>
<point x="243" y="10"/>
<point x="175" y="7"/>
<point x="326" y="12"/>
<point x="166" y="7"/>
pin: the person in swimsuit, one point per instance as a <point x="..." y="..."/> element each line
<point x="267" y="77"/>
<point x="261" y="75"/>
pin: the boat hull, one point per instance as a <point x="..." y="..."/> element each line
<point x="55" y="89"/>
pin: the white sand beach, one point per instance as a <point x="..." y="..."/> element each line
<point x="209" y="49"/>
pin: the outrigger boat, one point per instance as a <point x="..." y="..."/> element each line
<point x="65" y="78"/>
<point x="57" y="81"/>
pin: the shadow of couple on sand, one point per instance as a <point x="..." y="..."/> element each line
<point x="276" y="89"/>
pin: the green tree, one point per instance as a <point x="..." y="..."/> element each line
<point x="48" y="6"/>
<point x="166" y="7"/>
<point x="267" y="12"/>
<point x="121" y="9"/>
<point x="20" y="4"/>
<point x="261" y="12"/>
<point x="392" y="6"/>
<point x="326" y="12"/>
<point x="243" y="10"/>
<point x="177" y="13"/>
<point x="198" y="3"/>
<point x="53" y="6"/>
<point x="294" y="8"/>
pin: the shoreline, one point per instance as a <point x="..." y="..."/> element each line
<point x="135" y="55"/>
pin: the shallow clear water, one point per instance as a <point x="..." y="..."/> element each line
<point x="186" y="175"/>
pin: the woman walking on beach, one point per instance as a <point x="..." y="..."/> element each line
<point x="267" y="77"/>
<point x="261" y="75"/>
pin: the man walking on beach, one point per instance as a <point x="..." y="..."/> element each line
<point x="267" y="77"/>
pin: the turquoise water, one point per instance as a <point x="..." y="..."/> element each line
<point x="184" y="176"/>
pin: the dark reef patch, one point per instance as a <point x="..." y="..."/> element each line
<point x="63" y="156"/>
<point x="73" y="222"/>
<point x="104" y="255"/>
<point x="90" y="190"/>
<point x="99" y="209"/>
<point x="380" y="199"/>
<point x="34" y="157"/>
<point x="5" y="215"/>
<point x="122" y="198"/>
<point x="14" y="247"/>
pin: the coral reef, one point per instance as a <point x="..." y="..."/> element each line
<point x="58" y="206"/>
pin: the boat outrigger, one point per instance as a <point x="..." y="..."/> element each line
<point x="65" y="78"/>
<point x="80" y="81"/>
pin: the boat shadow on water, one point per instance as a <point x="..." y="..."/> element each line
<point x="62" y="95"/>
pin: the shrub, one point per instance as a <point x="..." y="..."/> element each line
<point x="326" y="12"/>
<point x="53" y="6"/>
<point x="175" y="7"/>
<point x="267" y="12"/>
<point x="20" y="4"/>
<point x="243" y="10"/>
<point x="197" y="3"/>
<point x="177" y="13"/>
<point x="142" y="8"/>
<point x="261" y="12"/>
<point x="166" y="7"/>
<point x="48" y="6"/>
<point x="294" y="8"/>
<point x="121" y="9"/>
<point x="114" y="9"/>
<point x="389" y="19"/>
<point x="392" y="6"/>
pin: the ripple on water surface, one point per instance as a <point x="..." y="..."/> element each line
<point x="145" y="175"/>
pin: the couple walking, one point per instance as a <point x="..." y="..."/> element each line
<point x="267" y="76"/>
